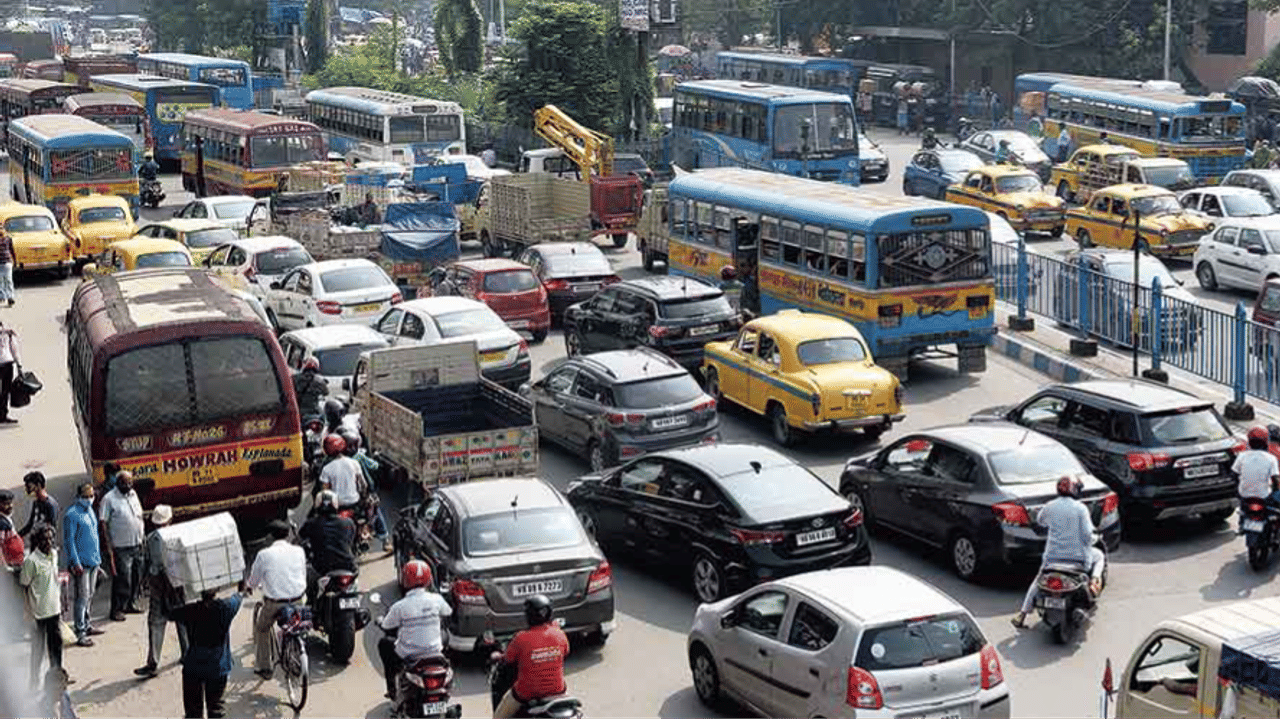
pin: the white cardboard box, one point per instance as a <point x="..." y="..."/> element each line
<point x="202" y="554"/>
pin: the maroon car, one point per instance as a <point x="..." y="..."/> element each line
<point x="509" y="288"/>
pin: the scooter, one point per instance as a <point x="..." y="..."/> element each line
<point x="151" y="193"/>
<point x="423" y="685"/>
<point x="502" y="676"/>
<point x="338" y="613"/>
<point x="1065" y="600"/>
<point x="1260" y="523"/>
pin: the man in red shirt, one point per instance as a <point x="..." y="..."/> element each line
<point x="538" y="654"/>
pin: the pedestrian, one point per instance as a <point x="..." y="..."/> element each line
<point x="280" y="570"/>
<point x="10" y="367"/>
<point x="162" y="604"/>
<point x="122" y="523"/>
<point x="1103" y="138"/>
<point x="1261" y="155"/>
<point x="6" y="511"/>
<point x="109" y="472"/>
<point x="8" y="257"/>
<point x="1064" y="144"/>
<point x="44" y="599"/>
<point x="207" y="660"/>
<point x="995" y="109"/>
<point x="80" y="542"/>
<point x="44" y="509"/>
<point x="903" y="110"/>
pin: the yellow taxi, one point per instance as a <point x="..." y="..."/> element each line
<point x="1167" y="229"/>
<point x="1015" y="194"/>
<point x="37" y="241"/>
<point x="139" y="253"/>
<point x="805" y="372"/>
<point x="201" y="237"/>
<point x="95" y="221"/>
<point x="1089" y="168"/>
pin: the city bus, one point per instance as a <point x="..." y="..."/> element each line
<point x="55" y="158"/>
<point x="20" y="97"/>
<point x="78" y="70"/>
<point x="244" y="151"/>
<point x="175" y="379"/>
<point x="913" y="274"/>
<point x="379" y="126"/>
<point x="232" y="77"/>
<point x="766" y="127"/>
<point x="167" y="102"/>
<point x="833" y="75"/>
<point x="116" y="111"/>
<point x="46" y="69"/>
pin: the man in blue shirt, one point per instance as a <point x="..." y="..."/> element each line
<point x="80" y="542"/>
<point x="207" y="661"/>
<point x="1069" y="540"/>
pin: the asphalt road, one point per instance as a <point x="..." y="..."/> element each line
<point x="642" y="672"/>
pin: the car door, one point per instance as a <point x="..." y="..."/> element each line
<point x="217" y="260"/>
<point x="306" y="299"/>
<point x="735" y="374"/>
<point x="1165" y="680"/>
<point x="442" y="544"/>
<point x="1249" y="258"/>
<point x="625" y="499"/>
<point x="414" y="330"/>
<point x="689" y="506"/>
<point x="1084" y="433"/>
<point x="766" y="372"/>
<point x="1045" y="413"/>
<point x="584" y="407"/>
<point x="809" y="663"/>
<point x="389" y="325"/>
<point x="282" y="302"/>
<point x="915" y="175"/>
<point x="899" y="475"/>
<point x="1190" y="201"/>
<point x="748" y="648"/>
<point x="549" y="395"/>
<point x="943" y="492"/>
<point x="632" y="315"/>
<point x="1211" y="206"/>
<point x="1221" y="249"/>
<point x="590" y="317"/>
<point x="1098" y="220"/>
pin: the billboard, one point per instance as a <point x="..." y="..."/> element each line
<point x="635" y="15"/>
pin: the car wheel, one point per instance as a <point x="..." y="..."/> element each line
<point x="782" y="430"/>
<point x="596" y="639"/>
<point x="873" y="432"/>
<point x="1084" y="239"/>
<point x="964" y="557"/>
<point x="1208" y="280"/>
<point x="620" y="240"/>
<point x="706" y="681"/>
<point x="539" y="335"/>
<point x="858" y="501"/>
<point x="598" y="457"/>
<point x="646" y="257"/>
<point x="487" y="245"/>
<point x="713" y="385"/>
<point x="572" y="343"/>
<point x="708" y="579"/>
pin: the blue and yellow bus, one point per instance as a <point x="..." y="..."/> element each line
<point x="167" y="103"/>
<point x="730" y="123"/>
<point x="56" y="158"/>
<point x="833" y="75"/>
<point x="379" y="126"/>
<point x="913" y="274"/>
<point x="232" y="77"/>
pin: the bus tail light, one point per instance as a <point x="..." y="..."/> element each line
<point x="890" y="316"/>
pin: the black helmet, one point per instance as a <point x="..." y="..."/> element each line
<point x="352" y="439"/>
<point x="1274" y="431"/>
<point x="334" y="409"/>
<point x="537" y="610"/>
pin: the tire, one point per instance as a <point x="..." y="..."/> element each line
<point x="487" y="245"/>
<point x="64" y="271"/>
<point x="706" y="679"/>
<point x="708" y="579"/>
<point x="858" y="501"/>
<point x="342" y="637"/>
<point x="1065" y="631"/>
<point x="965" y="559"/>
<point x="572" y="343"/>
<point x="1258" y="555"/>
<point x="906" y="188"/>
<point x="596" y="639"/>
<point x="539" y="336"/>
<point x="598" y="457"/>
<point x="713" y="385"/>
<point x="1084" y="239"/>
<point x="1058" y="230"/>
<point x="296" y="684"/>
<point x="620" y="240"/>
<point x="873" y="432"/>
<point x="1219" y="516"/>
<point x="646" y="257"/>
<point x="783" y="433"/>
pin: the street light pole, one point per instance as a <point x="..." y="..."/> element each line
<point x="1168" y="31"/>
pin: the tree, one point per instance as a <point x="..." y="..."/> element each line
<point x="317" y="28"/>
<point x="635" y="83"/>
<point x="459" y="35"/>
<point x="204" y="26"/>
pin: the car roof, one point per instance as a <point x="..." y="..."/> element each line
<point x="138" y="246"/>
<point x="16" y="209"/>
<point x="670" y="288"/>
<point x="989" y="437"/>
<point x="441" y="304"/>
<point x="1266" y="174"/>
<point x="496" y="495"/>
<point x="1107" y="149"/>
<point x="804" y="325"/>
<point x="631" y="365"/>
<point x="1226" y="190"/>
<point x="954" y="152"/>
<point x="184" y="224"/>
<point x="488" y="265"/>
<point x="216" y="199"/>
<point x="1260" y="222"/>
<point x="1236" y="620"/>
<point x="721" y="460"/>
<point x="874" y="594"/>
<point x="327" y="265"/>
<point x="337" y="335"/>
<point x="1141" y="395"/>
<point x="262" y="243"/>
<point x="97" y="200"/>
<point x="997" y="171"/>
<point x="998" y="134"/>
<point x="565" y="248"/>
<point x="1135" y="190"/>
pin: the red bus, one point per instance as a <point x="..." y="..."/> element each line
<point x="244" y="151"/>
<point x="20" y="97"/>
<point x="47" y="69"/>
<point x="117" y="111"/>
<point x="78" y="70"/>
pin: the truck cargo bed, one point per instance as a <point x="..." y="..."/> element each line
<point x="457" y="409"/>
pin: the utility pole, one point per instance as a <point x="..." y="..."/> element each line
<point x="1168" y="32"/>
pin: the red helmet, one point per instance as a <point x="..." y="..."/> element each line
<point x="311" y="364"/>
<point x="1068" y="486"/>
<point x="415" y="574"/>
<point x="13" y="548"/>
<point x="334" y="445"/>
<point x="1259" y="433"/>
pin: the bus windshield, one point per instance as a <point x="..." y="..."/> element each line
<point x="1206" y="128"/>
<point x="290" y="150"/>
<point x="185" y="96"/>
<point x="832" y="131"/>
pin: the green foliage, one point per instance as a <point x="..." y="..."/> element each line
<point x="635" y="82"/>
<point x="317" y="39"/>
<point x="1269" y="6"/>
<point x="459" y="35"/>
<point x="1269" y="67"/>
<point x="204" y="26"/>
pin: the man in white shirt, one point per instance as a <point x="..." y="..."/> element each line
<point x="416" y="616"/>
<point x="280" y="570"/>
<point x="122" y="522"/>
<point x="342" y="475"/>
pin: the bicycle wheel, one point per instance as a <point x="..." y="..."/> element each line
<point x="296" y="671"/>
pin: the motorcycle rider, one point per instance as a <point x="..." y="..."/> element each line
<point x="1070" y="539"/>
<point x="342" y="475"/>
<point x="330" y="540"/>
<point x="539" y="654"/>
<point x="369" y="469"/>
<point x="1256" y="468"/>
<point x="417" y="618"/>
<point x="335" y="415"/>
<point x="149" y="170"/>
<point x="929" y="141"/>
<point x="309" y="388"/>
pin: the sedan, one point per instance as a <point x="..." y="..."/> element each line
<point x="200" y="236"/>
<point x="1024" y="149"/>
<point x="1230" y="202"/>
<point x="872" y="161"/>
<point x="974" y="491"/>
<point x="731" y="515"/>
<point x="332" y="292"/>
<point x="571" y="272"/>
<point x="504" y="355"/>
<point x="254" y="263"/>
<point x="930" y="172"/>
<point x="226" y="210"/>
<point x="335" y="347"/>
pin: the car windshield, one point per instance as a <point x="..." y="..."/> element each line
<point x="28" y="223"/>
<point x="341" y="361"/>
<point x="692" y="308"/>
<point x="830" y="350"/>
<point x="172" y="258"/>
<point x="782" y="488"/>
<point x="102" y="214"/>
<point x="1018" y="183"/>
<point x="1157" y="205"/>
<point x="918" y="642"/>
<point x="588" y="261"/>
<point x="1024" y="146"/>
<point x="210" y="238"/>
<point x="281" y="259"/>
<point x="1170" y="176"/>
<point x="1148" y="270"/>
<point x="959" y="162"/>
<point x="1185" y="426"/>
<point x="1246" y="205"/>
<point x="521" y="531"/>
<point x="1033" y="464"/>
<point x="510" y="281"/>
<point x="624" y="165"/>
<point x="657" y="392"/>
<point x="468" y="322"/>
<point x="233" y="210"/>
<point x="353" y="278"/>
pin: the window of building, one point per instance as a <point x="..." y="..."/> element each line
<point x="1227" y="27"/>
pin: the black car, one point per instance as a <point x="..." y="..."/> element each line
<point x="974" y="490"/>
<point x="492" y="544"/>
<point x="1165" y="451"/>
<point x="675" y="316"/>
<point x="570" y="272"/>
<point x="732" y="515"/>
<point x="632" y="164"/>
<point x="617" y="405"/>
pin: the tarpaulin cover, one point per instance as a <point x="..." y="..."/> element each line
<point x="447" y="181"/>
<point x="420" y="232"/>
<point x="1251" y="86"/>
<point x="1254" y="662"/>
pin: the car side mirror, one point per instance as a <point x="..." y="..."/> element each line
<point x="346" y="384"/>
<point x="729" y="619"/>
<point x="275" y="285"/>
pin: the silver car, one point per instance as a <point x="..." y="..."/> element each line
<point x="847" y="642"/>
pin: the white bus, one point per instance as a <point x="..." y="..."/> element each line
<point x="378" y="126"/>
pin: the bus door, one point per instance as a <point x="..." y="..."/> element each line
<point x="746" y="255"/>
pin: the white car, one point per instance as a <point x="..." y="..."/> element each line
<point x="504" y="355"/>
<point x="872" y="162"/>
<point x="1231" y="202"/>
<point x="227" y="210"/>
<point x="335" y="347"/>
<point x="1240" y="253"/>
<point x="866" y="642"/>
<point x="476" y="169"/>
<point x="254" y="263"/>
<point x="332" y="292"/>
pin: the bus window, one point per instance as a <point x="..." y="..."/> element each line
<point x="706" y="227"/>
<point x="723" y="228"/>
<point x="837" y="254"/>
<point x="790" y="243"/>
<point x="770" y="250"/>
<point x="679" y="209"/>
<point x="815" y="256"/>
<point x="858" y="249"/>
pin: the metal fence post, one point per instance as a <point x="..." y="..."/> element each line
<point x="1157" y="333"/>
<point x="1239" y="409"/>
<point x="1021" y="322"/>
<point x="1083" y="346"/>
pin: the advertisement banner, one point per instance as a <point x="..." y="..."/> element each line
<point x="635" y="15"/>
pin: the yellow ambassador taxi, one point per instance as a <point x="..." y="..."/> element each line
<point x="805" y="372"/>
<point x="95" y="221"/>
<point x="1015" y="194"/>
<point x="201" y="237"/>
<point x="138" y="254"/>
<point x="1089" y="168"/>
<point x="37" y="241"/>
<point x="1168" y="230"/>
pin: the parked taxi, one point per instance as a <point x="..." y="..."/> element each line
<point x="1089" y="168"/>
<point x="95" y="221"/>
<point x="138" y="254"/>
<point x="1014" y="193"/>
<point x="1168" y="230"/>
<point x="37" y="241"/>
<point x="200" y="236"/>
<point x="805" y="372"/>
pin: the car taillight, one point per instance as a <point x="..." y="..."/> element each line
<point x="707" y="406"/>
<point x="465" y="591"/>
<point x="556" y="284"/>
<point x="992" y="675"/>
<point x="329" y="307"/>
<point x="758" y="537"/>
<point x="396" y="298"/>
<point x="1142" y="462"/>
<point x="816" y="401"/>
<point x="1253" y="508"/>
<point x="1110" y="504"/>
<point x="1008" y="513"/>
<point x="600" y="579"/>
<point x="864" y="691"/>
<point x="619" y="420"/>
<point x="660" y="331"/>
<point x="854" y="519"/>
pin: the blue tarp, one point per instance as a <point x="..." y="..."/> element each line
<point x="448" y="181"/>
<point x="420" y="232"/>
<point x="1253" y="662"/>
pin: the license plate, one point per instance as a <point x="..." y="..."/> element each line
<point x="586" y="287"/>
<point x="946" y="714"/>
<point x="368" y="307"/>
<point x="349" y="603"/>
<point x="1253" y="525"/>
<point x="518" y="324"/>
<point x="1199" y="472"/>
<point x="494" y="356"/>
<point x="815" y="536"/>
<point x="703" y="330"/>
<point x="664" y="423"/>
<point x="203" y="476"/>
<point x="433" y="708"/>
<point x="541" y="587"/>
<point x="1055" y="603"/>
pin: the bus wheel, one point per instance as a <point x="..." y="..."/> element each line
<point x="487" y="244"/>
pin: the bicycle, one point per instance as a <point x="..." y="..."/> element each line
<point x="289" y="649"/>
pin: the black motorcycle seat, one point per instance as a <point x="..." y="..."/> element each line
<point x="340" y="573"/>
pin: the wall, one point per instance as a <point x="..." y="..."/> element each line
<point x="1217" y="71"/>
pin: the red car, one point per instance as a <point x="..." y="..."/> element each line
<point x="509" y="288"/>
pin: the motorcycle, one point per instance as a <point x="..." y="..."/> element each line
<point x="502" y="676"/>
<point x="362" y="515"/>
<point x="423" y="685"/>
<point x="313" y="442"/>
<point x="1261" y="526"/>
<point x="338" y="613"/>
<point x="1065" y="600"/>
<point x="151" y="193"/>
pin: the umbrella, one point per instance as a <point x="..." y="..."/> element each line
<point x="675" y="51"/>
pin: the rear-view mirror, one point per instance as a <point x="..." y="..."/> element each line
<point x="275" y="285"/>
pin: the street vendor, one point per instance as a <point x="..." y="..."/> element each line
<point x="368" y="212"/>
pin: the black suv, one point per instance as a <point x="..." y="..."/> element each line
<point x="620" y="404"/>
<point x="1166" y="452"/>
<point x="675" y="316"/>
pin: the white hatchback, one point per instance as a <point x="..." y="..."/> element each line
<point x="504" y="355"/>
<point x="335" y="347"/>
<point x="332" y="292"/>
<point x="1239" y="253"/>
<point x="1225" y="202"/>
<point x="847" y="642"/>
<point x="226" y="210"/>
<point x="253" y="263"/>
